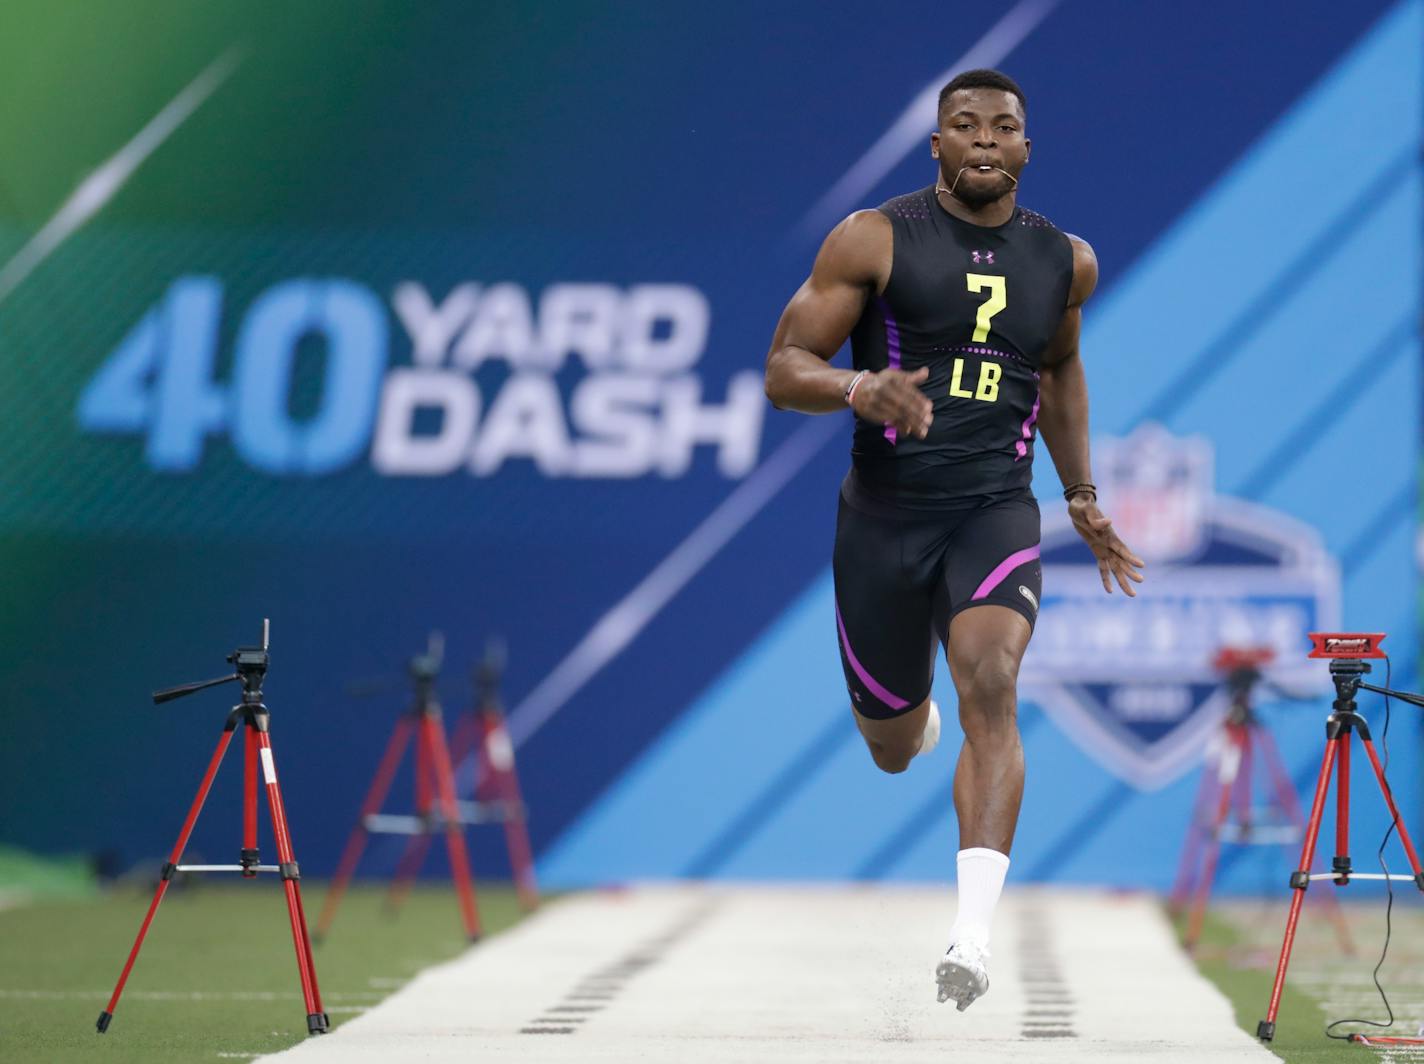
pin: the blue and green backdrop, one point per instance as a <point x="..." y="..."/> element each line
<point x="376" y="318"/>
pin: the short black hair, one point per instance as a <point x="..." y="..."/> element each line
<point x="981" y="79"/>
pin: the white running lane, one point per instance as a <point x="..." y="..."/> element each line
<point x="835" y="974"/>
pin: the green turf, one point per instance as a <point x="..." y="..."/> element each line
<point x="51" y="877"/>
<point x="217" y="973"/>
<point x="1238" y="952"/>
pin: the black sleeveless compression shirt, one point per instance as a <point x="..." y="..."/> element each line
<point x="978" y="306"/>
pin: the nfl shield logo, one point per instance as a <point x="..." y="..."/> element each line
<point x="1157" y="488"/>
<point x="1132" y="680"/>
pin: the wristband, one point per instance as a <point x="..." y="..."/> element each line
<point x="1081" y="486"/>
<point x="854" y="381"/>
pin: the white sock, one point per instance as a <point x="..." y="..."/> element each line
<point x="981" y="881"/>
<point x="929" y="738"/>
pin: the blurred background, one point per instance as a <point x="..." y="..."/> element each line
<point x="383" y="318"/>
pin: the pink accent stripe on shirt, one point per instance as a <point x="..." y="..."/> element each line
<point x="1022" y="445"/>
<point x="892" y="346"/>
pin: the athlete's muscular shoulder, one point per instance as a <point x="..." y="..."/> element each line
<point x="852" y="265"/>
<point x="858" y="251"/>
<point x="1064" y="345"/>
<point x="1085" y="271"/>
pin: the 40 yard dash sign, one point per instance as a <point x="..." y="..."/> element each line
<point x="579" y="380"/>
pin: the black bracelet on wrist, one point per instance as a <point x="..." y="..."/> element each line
<point x="1082" y="486"/>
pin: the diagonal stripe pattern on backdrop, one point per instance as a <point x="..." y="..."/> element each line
<point x="96" y="190"/>
<point x="913" y="126"/>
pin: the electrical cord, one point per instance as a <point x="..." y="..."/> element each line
<point x="1388" y="883"/>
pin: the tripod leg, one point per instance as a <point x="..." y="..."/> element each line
<point x="1289" y="807"/>
<point x="464" y="739"/>
<point x="375" y="797"/>
<point x="1244" y="783"/>
<point x="406" y="871"/>
<point x="1227" y="770"/>
<point x="250" y="856"/>
<point x="444" y="780"/>
<point x="1280" y="779"/>
<point x="1300" y="880"/>
<point x="1196" y="828"/>
<point x="1341" y="863"/>
<point x="498" y="758"/>
<point x="417" y="846"/>
<point x="1394" y="812"/>
<point x="317" y="1022"/>
<point x="173" y="859"/>
<point x="516" y="836"/>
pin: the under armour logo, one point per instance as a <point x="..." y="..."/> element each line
<point x="983" y="256"/>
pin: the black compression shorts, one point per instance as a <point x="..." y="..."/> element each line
<point x="901" y="576"/>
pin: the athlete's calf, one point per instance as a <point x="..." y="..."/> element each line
<point x="986" y="644"/>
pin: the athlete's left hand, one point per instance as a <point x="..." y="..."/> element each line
<point x="1112" y="553"/>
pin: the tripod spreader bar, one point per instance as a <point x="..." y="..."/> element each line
<point x="432" y="823"/>
<point x="1402" y="877"/>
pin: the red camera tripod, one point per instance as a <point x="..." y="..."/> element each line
<point x="1346" y="652"/>
<point x="251" y="664"/>
<point x="1223" y="812"/>
<point x="437" y="808"/>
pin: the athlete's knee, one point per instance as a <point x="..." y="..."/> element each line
<point x="891" y="759"/>
<point x="987" y="691"/>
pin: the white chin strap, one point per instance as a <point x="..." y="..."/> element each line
<point x="950" y="190"/>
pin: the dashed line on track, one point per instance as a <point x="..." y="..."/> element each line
<point x="606" y="983"/>
<point x="1049" y="1008"/>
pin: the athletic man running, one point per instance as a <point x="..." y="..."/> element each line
<point x="963" y="312"/>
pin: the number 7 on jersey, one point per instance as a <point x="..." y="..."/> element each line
<point x="997" y="301"/>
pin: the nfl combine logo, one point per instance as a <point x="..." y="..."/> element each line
<point x="1131" y="680"/>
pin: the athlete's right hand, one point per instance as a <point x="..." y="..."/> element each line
<point x="893" y="397"/>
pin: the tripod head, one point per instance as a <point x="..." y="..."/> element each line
<point x="424" y="672"/>
<point x="1347" y="652"/>
<point x="488" y="674"/>
<point x="1242" y="667"/>
<point x="425" y="668"/>
<point x="251" y="668"/>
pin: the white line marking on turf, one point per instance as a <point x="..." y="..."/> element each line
<point x="916" y="122"/>
<point x="96" y="190"/>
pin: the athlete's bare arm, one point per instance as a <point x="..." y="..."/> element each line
<point x="1063" y="424"/>
<point x="853" y="265"/>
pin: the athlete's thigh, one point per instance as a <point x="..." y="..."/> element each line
<point x="884" y="621"/>
<point x="992" y="636"/>
<point x="993" y="560"/>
